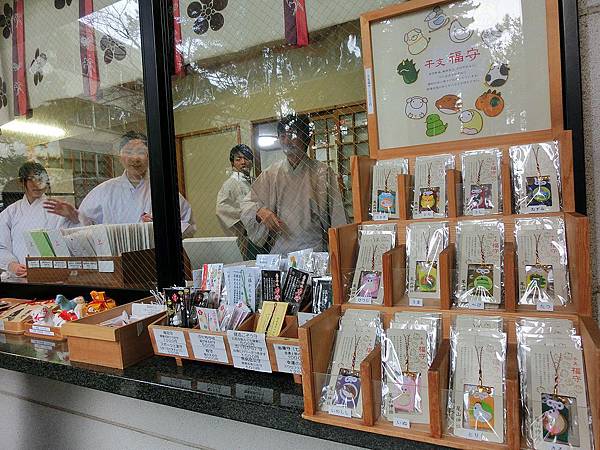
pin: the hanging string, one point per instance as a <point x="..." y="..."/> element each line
<point x="536" y="152"/>
<point x="356" y="342"/>
<point x="427" y="243"/>
<point x="480" y="164"/>
<point x="481" y="239"/>
<point x="556" y="365"/>
<point x="537" y="238"/>
<point x="387" y="177"/>
<point x="429" y="174"/>
<point x="373" y="258"/>
<point x="407" y="348"/>
<point x="479" y="356"/>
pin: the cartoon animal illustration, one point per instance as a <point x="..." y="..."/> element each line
<point x="471" y="122"/>
<point x="408" y="71"/>
<point x="404" y="394"/>
<point x="416" y="107"/>
<point x="480" y="414"/>
<point x="64" y="304"/>
<point x="497" y="75"/>
<point x="458" y="33"/>
<point x="491" y="36"/>
<point x="435" y="126"/>
<point x="449" y="104"/>
<point x="490" y="102"/>
<point x="436" y="19"/>
<point x="416" y="41"/>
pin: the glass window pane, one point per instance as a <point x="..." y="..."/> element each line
<point x="62" y="128"/>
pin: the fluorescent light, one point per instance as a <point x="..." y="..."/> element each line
<point x="266" y="141"/>
<point x="34" y="128"/>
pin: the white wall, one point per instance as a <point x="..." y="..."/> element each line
<point x="38" y="413"/>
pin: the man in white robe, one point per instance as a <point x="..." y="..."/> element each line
<point x="230" y="196"/>
<point x="294" y="202"/>
<point x="124" y="199"/>
<point x="25" y="215"/>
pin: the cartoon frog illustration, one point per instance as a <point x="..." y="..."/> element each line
<point x="408" y="71"/>
<point x="435" y="126"/>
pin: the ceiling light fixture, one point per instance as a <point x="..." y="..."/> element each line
<point x="33" y="128"/>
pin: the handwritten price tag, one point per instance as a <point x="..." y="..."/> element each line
<point x="415" y="302"/>
<point x="545" y="306"/>
<point x="363" y="300"/>
<point x="401" y="423"/>
<point x="380" y="216"/>
<point x="341" y="411"/>
<point x="476" y="303"/>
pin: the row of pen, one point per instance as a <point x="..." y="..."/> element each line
<point x="552" y="377"/>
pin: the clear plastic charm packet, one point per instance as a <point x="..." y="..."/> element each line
<point x="476" y="397"/>
<point x="358" y="334"/>
<point x="429" y="196"/>
<point x="553" y="385"/>
<point x="301" y="260"/>
<point x="367" y="281"/>
<point x="479" y="262"/>
<point x="543" y="271"/>
<point x="378" y="228"/>
<point x="384" y="197"/>
<point x="482" y="182"/>
<point x="536" y="177"/>
<point x="320" y="264"/>
<point x="408" y="348"/>
<point x="424" y="243"/>
<point x="322" y="294"/>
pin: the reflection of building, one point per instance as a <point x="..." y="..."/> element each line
<point x="12" y="192"/>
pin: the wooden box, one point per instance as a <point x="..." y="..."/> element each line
<point x="11" y="326"/>
<point x="118" y="347"/>
<point x="288" y="336"/>
<point x="133" y="269"/>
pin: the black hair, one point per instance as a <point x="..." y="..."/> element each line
<point x="31" y="169"/>
<point x="132" y="136"/>
<point x="241" y="149"/>
<point x="296" y="125"/>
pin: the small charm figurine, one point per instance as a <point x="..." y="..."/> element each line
<point x="43" y="316"/>
<point x="64" y="304"/>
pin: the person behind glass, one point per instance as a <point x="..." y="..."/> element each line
<point x="230" y="196"/>
<point x="295" y="201"/>
<point x="124" y="199"/>
<point x="25" y="215"/>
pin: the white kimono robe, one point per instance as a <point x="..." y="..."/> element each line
<point x="228" y="209"/>
<point x="118" y="201"/>
<point x="306" y="198"/>
<point x="17" y="219"/>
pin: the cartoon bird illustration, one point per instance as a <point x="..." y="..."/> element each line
<point x="436" y="19"/>
<point x="408" y="71"/>
<point x="458" y="33"/>
<point x="471" y="122"/>
<point x="481" y="415"/>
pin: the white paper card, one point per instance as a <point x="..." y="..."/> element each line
<point x="46" y="264"/>
<point x="288" y="358"/>
<point x="90" y="265"/>
<point x="304" y="317"/>
<point x="33" y="264"/>
<point x="146" y="309"/>
<point x="75" y="265"/>
<point x="208" y="347"/>
<point x="249" y="351"/>
<point x="106" y="266"/>
<point x="60" y="264"/>
<point x="170" y="342"/>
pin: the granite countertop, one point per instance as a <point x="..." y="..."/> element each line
<point x="268" y="400"/>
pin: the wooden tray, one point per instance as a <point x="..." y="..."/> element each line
<point x="12" y="327"/>
<point x="288" y="336"/>
<point x="118" y="347"/>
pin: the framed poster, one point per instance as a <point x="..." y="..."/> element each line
<point x="443" y="72"/>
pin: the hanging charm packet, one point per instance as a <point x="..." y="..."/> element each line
<point x="553" y="385"/>
<point x="408" y="348"/>
<point x="358" y="334"/>
<point x="476" y="402"/>
<point x="424" y="243"/>
<point x="481" y="182"/>
<point x="384" y="199"/>
<point x="542" y="261"/>
<point x="430" y="198"/>
<point x="367" y="282"/>
<point x="536" y="177"/>
<point x="479" y="254"/>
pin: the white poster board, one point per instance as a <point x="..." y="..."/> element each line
<point x="461" y="70"/>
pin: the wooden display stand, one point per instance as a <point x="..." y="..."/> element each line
<point x="11" y="326"/>
<point x="288" y="336"/>
<point x="318" y="335"/>
<point x="117" y="347"/>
